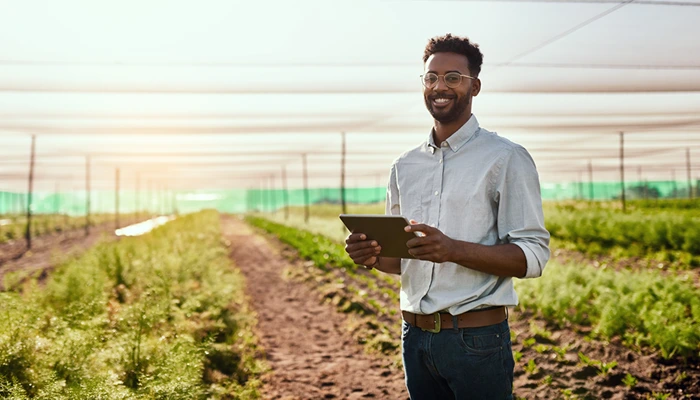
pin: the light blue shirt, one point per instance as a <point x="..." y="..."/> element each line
<point x="476" y="187"/>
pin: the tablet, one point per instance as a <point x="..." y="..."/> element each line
<point x="387" y="230"/>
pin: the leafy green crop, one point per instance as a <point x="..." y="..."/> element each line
<point x="643" y="307"/>
<point x="158" y="316"/>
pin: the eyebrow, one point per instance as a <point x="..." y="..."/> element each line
<point x="459" y="72"/>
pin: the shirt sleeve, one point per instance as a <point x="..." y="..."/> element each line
<point x="392" y="206"/>
<point x="520" y="215"/>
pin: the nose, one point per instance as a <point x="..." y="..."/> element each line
<point x="440" y="81"/>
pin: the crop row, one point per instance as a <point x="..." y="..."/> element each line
<point x="373" y="300"/>
<point x="645" y="308"/>
<point x="158" y="316"/>
<point x="667" y="234"/>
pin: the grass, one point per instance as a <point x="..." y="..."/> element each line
<point x="155" y="317"/>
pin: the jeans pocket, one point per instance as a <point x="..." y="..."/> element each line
<point x="480" y="342"/>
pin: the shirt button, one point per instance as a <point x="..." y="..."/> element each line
<point x="436" y="193"/>
<point x="444" y="144"/>
<point x="440" y="161"/>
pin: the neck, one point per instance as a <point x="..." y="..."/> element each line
<point x="445" y="130"/>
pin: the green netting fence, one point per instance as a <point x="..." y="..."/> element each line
<point x="235" y="201"/>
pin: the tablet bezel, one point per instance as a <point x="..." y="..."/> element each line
<point x="387" y="230"/>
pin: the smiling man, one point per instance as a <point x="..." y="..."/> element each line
<point x="475" y="197"/>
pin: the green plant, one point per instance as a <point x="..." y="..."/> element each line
<point x="140" y="318"/>
<point x="541" y="348"/>
<point x="629" y="381"/>
<point x="517" y="356"/>
<point x="531" y="367"/>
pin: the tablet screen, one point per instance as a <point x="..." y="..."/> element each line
<point x="387" y="230"/>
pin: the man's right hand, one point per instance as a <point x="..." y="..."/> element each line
<point x="362" y="251"/>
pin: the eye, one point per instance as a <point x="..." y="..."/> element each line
<point x="453" y="78"/>
<point x="430" y="78"/>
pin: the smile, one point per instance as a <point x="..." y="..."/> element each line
<point x="441" y="101"/>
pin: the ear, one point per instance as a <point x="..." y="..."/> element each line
<point x="476" y="87"/>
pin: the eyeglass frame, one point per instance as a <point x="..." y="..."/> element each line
<point x="422" y="80"/>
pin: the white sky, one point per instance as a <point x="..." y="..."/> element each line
<point x="232" y="91"/>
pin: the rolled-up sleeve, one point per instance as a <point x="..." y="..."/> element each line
<point x="520" y="215"/>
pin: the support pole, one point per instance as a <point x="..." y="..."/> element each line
<point x="285" y="194"/>
<point x="622" y="170"/>
<point x="116" y="200"/>
<point x="87" y="195"/>
<point x="28" y="230"/>
<point x="687" y="167"/>
<point x="306" y="189"/>
<point x="342" y="174"/>
<point x="590" y="180"/>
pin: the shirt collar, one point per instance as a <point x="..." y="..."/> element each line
<point x="459" y="138"/>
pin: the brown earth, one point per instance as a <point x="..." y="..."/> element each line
<point x="310" y="352"/>
<point x="549" y="366"/>
<point x="49" y="250"/>
<point x="312" y="355"/>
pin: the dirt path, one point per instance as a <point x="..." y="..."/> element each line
<point x="310" y="353"/>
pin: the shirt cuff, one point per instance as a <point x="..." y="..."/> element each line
<point x="534" y="270"/>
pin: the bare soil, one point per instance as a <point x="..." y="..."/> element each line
<point x="310" y="352"/>
<point x="549" y="366"/>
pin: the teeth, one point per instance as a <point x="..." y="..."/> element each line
<point x="442" y="100"/>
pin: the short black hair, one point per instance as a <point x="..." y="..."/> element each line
<point x="459" y="45"/>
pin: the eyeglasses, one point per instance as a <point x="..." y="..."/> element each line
<point x="452" y="79"/>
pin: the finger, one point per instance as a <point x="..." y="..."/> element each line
<point x="355" y="237"/>
<point x="415" y="242"/>
<point x="423" y="253"/>
<point x="369" y="261"/>
<point x="364" y="253"/>
<point x="427" y="229"/>
<point x="352" y="247"/>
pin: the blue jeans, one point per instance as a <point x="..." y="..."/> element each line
<point x="466" y="363"/>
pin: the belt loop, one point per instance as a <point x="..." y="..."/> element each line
<point x="506" y="312"/>
<point x="455" y="324"/>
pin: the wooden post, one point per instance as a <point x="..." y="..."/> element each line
<point x="174" y="202"/>
<point x="116" y="200"/>
<point x="306" y="189"/>
<point x="590" y="180"/>
<point x="622" y="169"/>
<point x="137" y="209"/>
<point x="273" y="193"/>
<point x="87" y="195"/>
<point x="285" y="194"/>
<point x="266" y="194"/>
<point x="342" y="174"/>
<point x="687" y="167"/>
<point x="28" y="231"/>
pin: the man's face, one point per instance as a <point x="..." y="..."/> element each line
<point x="447" y="104"/>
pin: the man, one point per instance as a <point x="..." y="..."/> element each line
<point x="475" y="199"/>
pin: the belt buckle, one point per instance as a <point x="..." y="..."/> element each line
<point x="437" y="323"/>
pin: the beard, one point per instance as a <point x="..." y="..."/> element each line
<point x="458" y="106"/>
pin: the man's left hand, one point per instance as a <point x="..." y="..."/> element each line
<point x="435" y="246"/>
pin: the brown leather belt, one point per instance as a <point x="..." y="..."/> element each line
<point x="469" y="319"/>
